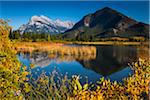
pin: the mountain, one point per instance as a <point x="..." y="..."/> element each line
<point x="43" y="24"/>
<point x="106" y="23"/>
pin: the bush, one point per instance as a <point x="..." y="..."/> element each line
<point x="10" y="76"/>
<point x="134" y="87"/>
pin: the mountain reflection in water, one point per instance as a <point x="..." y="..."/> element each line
<point x="109" y="61"/>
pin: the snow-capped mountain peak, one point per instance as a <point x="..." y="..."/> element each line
<point x="43" y="24"/>
<point x="40" y="19"/>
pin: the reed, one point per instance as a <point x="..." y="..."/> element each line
<point x="56" y="48"/>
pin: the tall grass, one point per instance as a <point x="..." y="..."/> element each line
<point x="56" y="48"/>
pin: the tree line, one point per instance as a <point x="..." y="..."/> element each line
<point x="29" y="36"/>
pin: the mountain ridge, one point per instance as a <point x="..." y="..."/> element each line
<point x="104" y="23"/>
<point x="43" y="24"/>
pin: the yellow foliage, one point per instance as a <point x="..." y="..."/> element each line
<point x="10" y="77"/>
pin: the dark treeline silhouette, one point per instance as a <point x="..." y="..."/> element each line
<point x="30" y="36"/>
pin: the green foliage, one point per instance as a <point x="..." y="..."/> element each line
<point x="48" y="37"/>
<point x="14" y="35"/>
<point x="29" y="36"/>
<point x="79" y="36"/>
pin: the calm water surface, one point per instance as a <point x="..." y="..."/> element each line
<point x="109" y="62"/>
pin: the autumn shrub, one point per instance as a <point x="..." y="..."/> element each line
<point x="10" y="76"/>
<point x="135" y="87"/>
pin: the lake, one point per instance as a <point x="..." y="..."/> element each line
<point x="110" y="62"/>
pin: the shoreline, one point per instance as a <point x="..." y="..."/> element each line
<point x="60" y="43"/>
<point x="64" y="47"/>
<point x="104" y="43"/>
<point x="113" y="43"/>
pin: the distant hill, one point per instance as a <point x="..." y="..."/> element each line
<point x="106" y="23"/>
<point x="43" y="24"/>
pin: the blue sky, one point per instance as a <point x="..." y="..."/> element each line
<point x="20" y="12"/>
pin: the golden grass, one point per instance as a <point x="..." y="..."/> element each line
<point x="55" y="48"/>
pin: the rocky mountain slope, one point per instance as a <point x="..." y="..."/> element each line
<point x="106" y="23"/>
